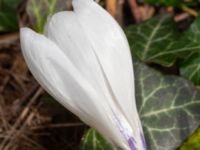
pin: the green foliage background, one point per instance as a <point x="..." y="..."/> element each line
<point x="8" y="16"/>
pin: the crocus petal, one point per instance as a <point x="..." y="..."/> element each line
<point x="65" y="30"/>
<point x="111" y="46"/>
<point x="60" y="77"/>
<point x="112" y="50"/>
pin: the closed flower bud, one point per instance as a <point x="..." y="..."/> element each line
<point x="83" y="60"/>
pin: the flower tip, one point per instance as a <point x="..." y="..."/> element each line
<point x="25" y="33"/>
<point x="25" y="30"/>
<point x="76" y="2"/>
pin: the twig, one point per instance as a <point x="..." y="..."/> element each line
<point x="6" y="124"/>
<point x="19" y="134"/>
<point x="189" y="10"/>
<point x="9" y="74"/>
<point x="111" y="6"/>
<point x="24" y="99"/>
<point x="22" y="116"/>
<point x="8" y="39"/>
<point x="33" y="142"/>
<point x="5" y="82"/>
<point x="119" y="12"/>
<point x="64" y="125"/>
<point x="181" y="17"/>
<point x="135" y="10"/>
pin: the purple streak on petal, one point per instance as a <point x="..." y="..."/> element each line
<point x="126" y="134"/>
<point x="131" y="143"/>
<point x="143" y="141"/>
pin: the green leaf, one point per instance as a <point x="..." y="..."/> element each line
<point x="193" y="33"/>
<point x="168" y="107"/>
<point x="40" y="10"/>
<point x="8" y="22"/>
<point x="151" y="40"/>
<point x="92" y="140"/>
<point x="175" y="3"/>
<point x="193" y="142"/>
<point x="156" y="41"/>
<point x="8" y="17"/>
<point x="8" y="5"/>
<point x="164" y="2"/>
<point x="190" y="66"/>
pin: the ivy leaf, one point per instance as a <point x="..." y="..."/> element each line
<point x="156" y="41"/>
<point x="168" y="107"/>
<point x="150" y="40"/>
<point x="190" y="66"/>
<point x="92" y="140"/>
<point x="193" y="33"/>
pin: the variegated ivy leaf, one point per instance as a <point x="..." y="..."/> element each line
<point x="92" y="140"/>
<point x="190" y="66"/>
<point x="156" y="40"/>
<point x="168" y="108"/>
<point x="193" y="33"/>
<point x="40" y="10"/>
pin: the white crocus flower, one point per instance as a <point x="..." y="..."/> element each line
<point x="83" y="60"/>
